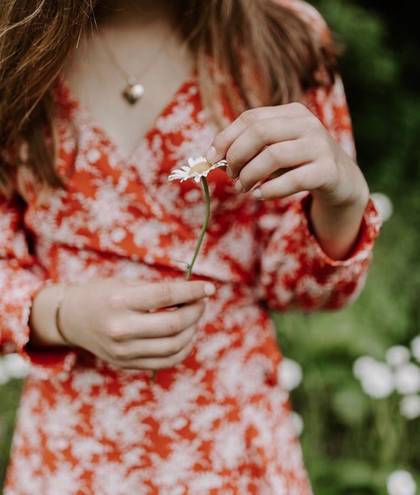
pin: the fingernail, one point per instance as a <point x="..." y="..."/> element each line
<point x="257" y="193"/>
<point x="209" y="289"/>
<point x="211" y="154"/>
<point x="229" y="172"/>
<point x="238" y="186"/>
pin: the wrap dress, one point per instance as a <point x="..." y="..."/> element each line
<point x="220" y="422"/>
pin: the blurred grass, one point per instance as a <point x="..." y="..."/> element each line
<point x="9" y="400"/>
<point x="352" y="443"/>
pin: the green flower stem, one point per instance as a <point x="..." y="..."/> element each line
<point x="190" y="267"/>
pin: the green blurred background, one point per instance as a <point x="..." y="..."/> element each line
<point x="352" y="442"/>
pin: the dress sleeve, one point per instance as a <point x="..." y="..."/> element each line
<point x="21" y="277"/>
<point x="294" y="271"/>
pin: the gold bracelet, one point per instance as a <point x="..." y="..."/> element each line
<point x="57" y="318"/>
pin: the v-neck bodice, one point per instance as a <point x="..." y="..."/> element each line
<point x="86" y="116"/>
<point x="147" y="217"/>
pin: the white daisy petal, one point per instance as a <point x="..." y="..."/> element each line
<point x="196" y="169"/>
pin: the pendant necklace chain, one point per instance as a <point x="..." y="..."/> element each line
<point x="133" y="90"/>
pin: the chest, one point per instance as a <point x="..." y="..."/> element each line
<point x="98" y="86"/>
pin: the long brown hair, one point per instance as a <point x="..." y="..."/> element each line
<point x="36" y="36"/>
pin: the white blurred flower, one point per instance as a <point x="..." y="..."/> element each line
<point x="407" y="379"/>
<point x="397" y="355"/>
<point x="297" y="423"/>
<point x="415" y="347"/>
<point x="15" y="366"/>
<point x="362" y="366"/>
<point x="289" y="374"/>
<point x="383" y="204"/>
<point x="376" y="378"/>
<point x="410" y="406"/>
<point x="401" y="483"/>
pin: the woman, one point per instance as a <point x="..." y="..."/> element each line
<point x="143" y="382"/>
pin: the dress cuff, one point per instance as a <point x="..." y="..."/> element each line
<point x="362" y="249"/>
<point x="54" y="361"/>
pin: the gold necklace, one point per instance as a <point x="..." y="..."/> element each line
<point x="133" y="90"/>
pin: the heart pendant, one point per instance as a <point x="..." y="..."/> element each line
<point x="133" y="92"/>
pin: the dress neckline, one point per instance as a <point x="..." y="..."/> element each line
<point x="73" y="102"/>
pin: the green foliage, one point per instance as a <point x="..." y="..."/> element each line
<point x="9" y="399"/>
<point x="351" y="442"/>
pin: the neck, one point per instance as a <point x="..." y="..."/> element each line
<point x="138" y="12"/>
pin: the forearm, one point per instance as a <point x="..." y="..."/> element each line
<point x="337" y="227"/>
<point x="42" y="321"/>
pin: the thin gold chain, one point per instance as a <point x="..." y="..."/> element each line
<point x="126" y="75"/>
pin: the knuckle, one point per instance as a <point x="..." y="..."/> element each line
<point x="113" y="329"/>
<point x="232" y="156"/>
<point x="272" y="153"/>
<point x="247" y="117"/>
<point x="325" y="146"/>
<point x="259" y="129"/>
<point x="312" y="123"/>
<point x="175" y="345"/>
<point x="174" y="324"/>
<point x="296" y="182"/>
<point x="242" y="177"/>
<point x="118" y="352"/>
<point x="219" y="141"/>
<point x="114" y="362"/>
<point x="113" y="300"/>
<point x="298" y="107"/>
<point x="165" y="295"/>
<point x="177" y="358"/>
<point x="245" y="178"/>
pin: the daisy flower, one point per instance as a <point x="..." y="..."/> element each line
<point x="197" y="169"/>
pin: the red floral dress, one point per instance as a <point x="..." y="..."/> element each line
<point x="220" y="422"/>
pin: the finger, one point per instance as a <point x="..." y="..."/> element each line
<point x="159" y="324"/>
<point x="257" y="136"/>
<point x="304" y="178"/>
<point x="282" y="155"/>
<point x="153" y="348"/>
<point x="225" y="138"/>
<point x="159" y="363"/>
<point x="148" y="297"/>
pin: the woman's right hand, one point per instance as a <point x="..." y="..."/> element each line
<point x="127" y="323"/>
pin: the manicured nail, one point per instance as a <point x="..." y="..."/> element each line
<point x="211" y="154"/>
<point x="209" y="289"/>
<point x="257" y="193"/>
<point x="238" y="186"/>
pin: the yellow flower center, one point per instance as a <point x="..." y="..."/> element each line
<point x="200" y="167"/>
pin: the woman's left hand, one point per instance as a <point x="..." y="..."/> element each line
<point x="285" y="149"/>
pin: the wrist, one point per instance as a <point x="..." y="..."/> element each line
<point x="336" y="224"/>
<point x="351" y="193"/>
<point x="44" y="315"/>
